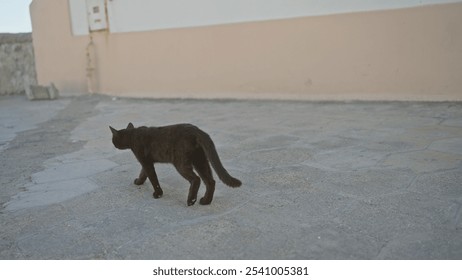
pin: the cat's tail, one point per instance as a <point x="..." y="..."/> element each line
<point x="208" y="146"/>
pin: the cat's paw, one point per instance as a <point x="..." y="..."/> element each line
<point x="205" y="201"/>
<point x="191" y="201"/>
<point x="157" y="194"/>
<point x="138" y="182"/>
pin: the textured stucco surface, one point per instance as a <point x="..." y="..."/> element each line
<point x="17" y="65"/>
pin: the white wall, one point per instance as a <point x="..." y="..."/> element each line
<point x="144" y="15"/>
<point x="79" y="20"/>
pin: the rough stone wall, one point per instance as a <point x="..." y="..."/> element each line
<point x="17" y="64"/>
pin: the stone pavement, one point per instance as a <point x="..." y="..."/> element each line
<point x="321" y="180"/>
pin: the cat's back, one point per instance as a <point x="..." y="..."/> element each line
<point x="168" y="132"/>
<point x="178" y="132"/>
<point x="179" y="128"/>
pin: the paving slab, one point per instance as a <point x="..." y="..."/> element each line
<point x="321" y="180"/>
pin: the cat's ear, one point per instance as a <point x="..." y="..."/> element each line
<point x="130" y="125"/>
<point x="114" y="131"/>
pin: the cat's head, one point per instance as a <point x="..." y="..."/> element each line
<point x="121" y="138"/>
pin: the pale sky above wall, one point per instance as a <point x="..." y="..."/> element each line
<point x="15" y="18"/>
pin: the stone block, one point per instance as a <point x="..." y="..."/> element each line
<point x="37" y="92"/>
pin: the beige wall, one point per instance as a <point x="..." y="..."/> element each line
<point x="59" y="57"/>
<point x="406" y="54"/>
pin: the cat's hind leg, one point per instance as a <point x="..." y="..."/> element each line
<point x="187" y="172"/>
<point x="202" y="167"/>
<point x="141" y="178"/>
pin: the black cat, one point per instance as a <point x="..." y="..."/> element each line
<point x="183" y="145"/>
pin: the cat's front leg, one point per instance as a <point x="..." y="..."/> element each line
<point x="141" y="178"/>
<point x="151" y="174"/>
